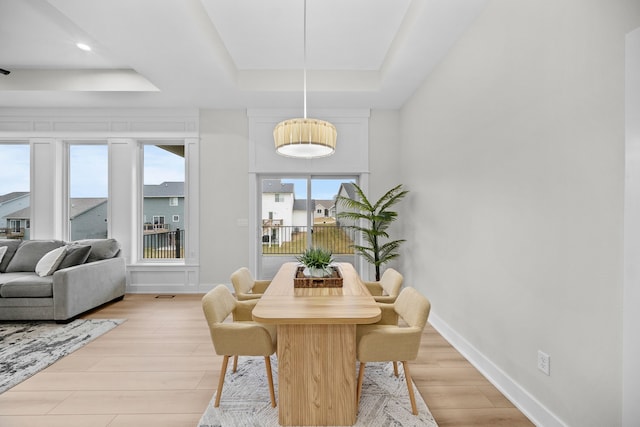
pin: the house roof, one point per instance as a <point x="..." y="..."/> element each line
<point x="78" y="206"/>
<point x="166" y="189"/>
<point x="276" y="186"/>
<point x="82" y="205"/>
<point x="24" y="213"/>
<point x="12" y="196"/>
<point x="325" y="203"/>
<point x="350" y="189"/>
<point x="300" y="204"/>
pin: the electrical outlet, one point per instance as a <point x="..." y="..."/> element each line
<point x="544" y="362"/>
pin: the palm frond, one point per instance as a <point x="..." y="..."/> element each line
<point x="378" y="218"/>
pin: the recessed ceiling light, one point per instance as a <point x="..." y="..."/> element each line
<point x="84" y="47"/>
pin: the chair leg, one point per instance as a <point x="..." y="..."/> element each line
<point x="223" y="371"/>
<point x="395" y="368"/>
<point x="267" y="364"/>
<point x="235" y="363"/>
<point x="407" y="377"/>
<point x="360" y="378"/>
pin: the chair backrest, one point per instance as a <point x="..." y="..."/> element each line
<point x="391" y="282"/>
<point x="242" y="280"/>
<point x="413" y="307"/>
<point x="217" y="304"/>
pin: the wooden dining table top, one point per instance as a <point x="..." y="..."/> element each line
<point x="282" y="303"/>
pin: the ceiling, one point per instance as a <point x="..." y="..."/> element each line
<point x="223" y="53"/>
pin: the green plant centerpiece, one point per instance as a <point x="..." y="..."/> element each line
<point x="373" y="220"/>
<point x="316" y="261"/>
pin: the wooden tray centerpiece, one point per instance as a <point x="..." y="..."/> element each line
<point x="332" y="281"/>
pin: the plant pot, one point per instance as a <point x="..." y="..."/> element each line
<point x="316" y="272"/>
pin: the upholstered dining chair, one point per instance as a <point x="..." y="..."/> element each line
<point x="388" y="288"/>
<point x="245" y="286"/>
<point x="242" y="336"/>
<point x="388" y="341"/>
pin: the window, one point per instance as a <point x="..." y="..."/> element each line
<point x="279" y="198"/>
<point x="158" y="222"/>
<point x="88" y="191"/>
<point x="306" y="219"/>
<point x="15" y="196"/>
<point x="163" y="189"/>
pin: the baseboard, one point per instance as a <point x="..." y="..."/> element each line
<point x="521" y="398"/>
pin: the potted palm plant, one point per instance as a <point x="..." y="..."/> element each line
<point x="373" y="220"/>
<point x="317" y="261"/>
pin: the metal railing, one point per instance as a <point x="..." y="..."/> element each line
<point x="279" y="240"/>
<point x="169" y="244"/>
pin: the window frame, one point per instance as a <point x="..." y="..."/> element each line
<point x="185" y="240"/>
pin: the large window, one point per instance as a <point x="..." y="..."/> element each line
<point x="15" y="197"/>
<point x="88" y="191"/>
<point x="163" y="197"/>
<point x="298" y="213"/>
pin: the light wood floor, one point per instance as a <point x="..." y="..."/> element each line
<point x="159" y="369"/>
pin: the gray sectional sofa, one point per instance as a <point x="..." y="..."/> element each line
<point x="55" y="280"/>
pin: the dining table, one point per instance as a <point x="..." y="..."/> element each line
<point x="316" y="345"/>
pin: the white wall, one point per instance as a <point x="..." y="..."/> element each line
<point x="631" y="314"/>
<point x="224" y="198"/>
<point x="385" y="171"/>
<point x="514" y="151"/>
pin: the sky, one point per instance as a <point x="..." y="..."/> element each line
<point x="14" y="168"/>
<point x="88" y="168"/>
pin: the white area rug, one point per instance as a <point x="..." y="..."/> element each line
<point x="245" y="399"/>
<point x="28" y="347"/>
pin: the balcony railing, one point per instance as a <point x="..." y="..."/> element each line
<point x="279" y="240"/>
<point x="12" y="233"/>
<point x="169" y="244"/>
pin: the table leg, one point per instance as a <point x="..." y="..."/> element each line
<point x="316" y="375"/>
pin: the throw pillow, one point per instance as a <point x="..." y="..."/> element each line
<point x="76" y="255"/>
<point x="100" y="248"/>
<point x="29" y="253"/>
<point x="50" y="261"/>
<point x="12" y="247"/>
<point x="3" y="250"/>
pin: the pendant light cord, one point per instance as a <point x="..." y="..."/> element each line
<point x="304" y="73"/>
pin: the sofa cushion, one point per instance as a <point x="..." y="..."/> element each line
<point x="29" y="253"/>
<point x="100" y="248"/>
<point x="28" y="286"/>
<point x="76" y="255"/>
<point x="12" y="246"/>
<point x="50" y="261"/>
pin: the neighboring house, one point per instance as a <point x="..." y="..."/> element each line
<point x="10" y="204"/>
<point x="163" y="207"/>
<point x="323" y="208"/>
<point x="283" y="214"/>
<point x="277" y="211"/>
<point x="88" y="218"/>
<point x="300" y="214"/>
<point x="19" y="224"/>
<point x="348" y="190"/>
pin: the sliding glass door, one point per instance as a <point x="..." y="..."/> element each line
<point x="298" y="213"/>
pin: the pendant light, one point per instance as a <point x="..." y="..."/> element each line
<point x="304" y="137"/>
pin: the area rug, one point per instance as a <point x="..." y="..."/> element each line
<point x="28" y="347"/>
<point x="245" y="399"/>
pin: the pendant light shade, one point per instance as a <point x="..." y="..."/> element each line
<point x="305" y="138"/>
